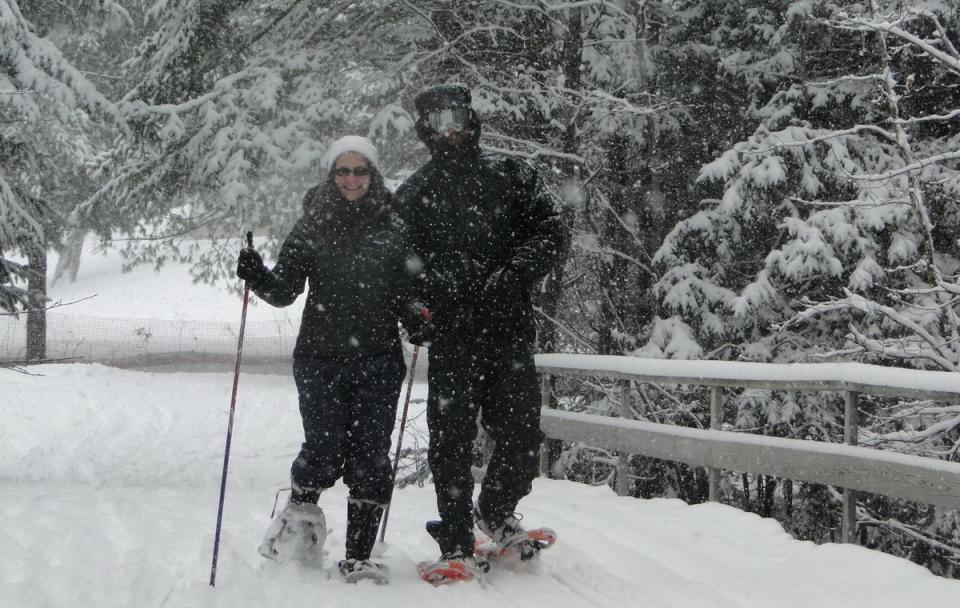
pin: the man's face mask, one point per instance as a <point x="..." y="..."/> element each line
<point x="448" y="119"/>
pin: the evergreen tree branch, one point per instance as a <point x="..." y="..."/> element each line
<point x="947" y="60"/>
<point x="866" y="518"/>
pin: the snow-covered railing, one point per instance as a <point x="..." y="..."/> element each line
<point x="845" y="465"/>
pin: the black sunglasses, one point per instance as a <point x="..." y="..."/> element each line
<point x="345" y="171"/>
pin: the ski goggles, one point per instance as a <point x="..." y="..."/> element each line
<point x="448" y="119"/>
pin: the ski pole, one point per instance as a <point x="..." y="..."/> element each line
<point x="403" y="423"/>
<point x="233" y="403"/>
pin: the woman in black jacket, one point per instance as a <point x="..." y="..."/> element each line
<point x="348" y="362"/>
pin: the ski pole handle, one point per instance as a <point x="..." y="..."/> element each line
<point x="250" y="239"/>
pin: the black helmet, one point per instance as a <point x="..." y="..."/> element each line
<point x="441" y="97"/>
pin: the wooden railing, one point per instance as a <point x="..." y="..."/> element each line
<point x="844" y="465"/>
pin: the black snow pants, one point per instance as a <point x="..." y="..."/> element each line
<point x="349" y="407"/>
<point x="501" y="385"/>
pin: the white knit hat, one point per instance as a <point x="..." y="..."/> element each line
<point x="351" y="143"/>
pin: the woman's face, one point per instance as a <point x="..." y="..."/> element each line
<point x="351" y="175"/>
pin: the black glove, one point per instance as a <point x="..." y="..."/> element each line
<point x="250" y="265"/>
<point x="419" y="324"/>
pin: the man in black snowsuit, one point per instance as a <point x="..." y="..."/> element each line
<point x="486" y="232"/>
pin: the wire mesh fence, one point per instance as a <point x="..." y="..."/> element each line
<point x="131" y="342"/>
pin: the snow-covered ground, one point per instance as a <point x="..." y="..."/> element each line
<point x="108" y="495"/>
<point x="109" y="482"/>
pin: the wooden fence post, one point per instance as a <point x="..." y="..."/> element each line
<point x="623" y="458"/>
<point x="716" y="424"/>
<point x="545" y="404"/>
<point x="851" y="415"/>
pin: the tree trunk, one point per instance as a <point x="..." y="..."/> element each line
<point x="746" y="491"/>
<point x="767" y="485"/>
<point x="617" y="290"/>
<point x="788" y="501"/>
<point x="37" y="293"/>
<point x="549" y="300"/>
<point x="69" y="262"/>
<point x="652" y="222"/>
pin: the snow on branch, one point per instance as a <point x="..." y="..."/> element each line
<point x="936" y="352"/>
<point x="566" y="6"/>
<point x="933" y="117"/>
<point x="537" y="151"/>
<point x="941" y="31"/>
<point x="57" y="304"/>
<point x="898" y="317"/>
<point x="948" y="58"/>
<point x="15" y="366"/>
<point x="137" y="108"/>
<point x="931" y="432"/>
<point x="812" y="140"/>
<point x="915" y="166"/>
<point x="35" y="63"/>
<point x="886" y="348"/>
<point x="17" y="220"/>
<point x="571" y="332"/>
<point x="864" y="518"/>
<point x="584" y="246"/>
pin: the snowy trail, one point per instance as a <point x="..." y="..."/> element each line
<point x="108" y="492"/>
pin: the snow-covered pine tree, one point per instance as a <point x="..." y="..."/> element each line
<point x="96" y="38"/>
<point x="48" y="109"/>
<point x="688" y="62"/>
<point x="233" y="106"/>
<point x="831" y="234"/>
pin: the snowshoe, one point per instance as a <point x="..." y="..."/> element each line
<point x="451" y="568"/>
<point x="521" y="546"/>
<point x="356" y="570"/>
<point x="509" y="539"/>
<point x="297" y="534"/>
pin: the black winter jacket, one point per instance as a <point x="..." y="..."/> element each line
<point x="467" y="220"/>
<point x="351" y="253"/>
